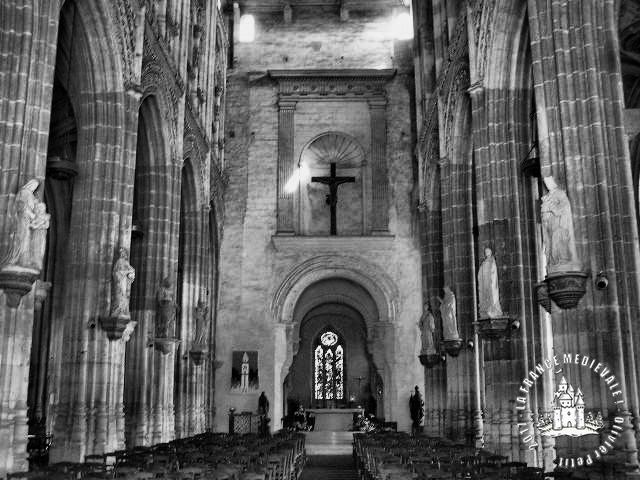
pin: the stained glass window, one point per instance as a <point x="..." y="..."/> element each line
<point x="329" y="368"/>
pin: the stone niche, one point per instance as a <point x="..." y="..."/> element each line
<point x="332" y="116"/>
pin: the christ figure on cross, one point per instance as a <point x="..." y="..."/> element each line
<point x="333" y="182"/>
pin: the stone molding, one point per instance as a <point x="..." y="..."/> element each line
<point x="368" y="275"/>
<point x="347" y="84"/>
<point x="345" y="244"/>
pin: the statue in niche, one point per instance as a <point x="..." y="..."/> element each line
<point x="557" y="225"/>
<point x="488" y="293"/>
<point x="22" y="218"/>
<point x="427" y="326"/>
<point x="123" y="276"/>
<point x="166" y="319"/>
<point x="202" y="320"/>
<point x="39" y="226"/>
<point x="448" y="314"/>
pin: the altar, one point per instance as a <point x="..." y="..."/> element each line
<point x="335" y="419"/>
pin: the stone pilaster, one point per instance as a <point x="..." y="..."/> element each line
<point x="582" y="143"/>
<point x="286" y="111"/>
<point x="379" y="180"/>
<point x="28" y="34"/>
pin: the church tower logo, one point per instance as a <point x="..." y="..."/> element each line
<point x="569" y="415"/>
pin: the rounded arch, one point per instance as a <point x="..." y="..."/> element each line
<point x="374" y="282"/>
<point x="334" y="146"/>
<point x="373" y="279"/>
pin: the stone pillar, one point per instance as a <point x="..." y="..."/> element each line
<point x="379" y="180"/>
<point x="286" y="167"/>
<point x="87" y="368"/>
<point x="28" y="35"/>
<point x="582" y="143"/>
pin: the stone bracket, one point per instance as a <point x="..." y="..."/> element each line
<point x="16" y="282"/>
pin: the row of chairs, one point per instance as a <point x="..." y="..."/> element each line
<point x="398" y="456"/>
<point x="207" y="456"/>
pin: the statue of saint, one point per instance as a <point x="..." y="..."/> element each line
<point x="166" y="319"/>
<point x="427" y="326"/>
<point x="263" y="404"/>
<point x="24" y="213"/>
<point x="39" y="226"/>
<point x="557" y="225"/>
<point x="488" y="293"/>
<point x="416" y="410"/>
<point x="448" y="314"/>
<point x="202" y="321"/>
<point x="123" y="276"/>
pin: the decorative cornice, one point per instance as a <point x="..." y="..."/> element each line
<point x="347" y="84"/>
<point x="343" y="244"/>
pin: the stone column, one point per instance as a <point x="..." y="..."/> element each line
<point x="580" y="107"/>
<point x="87" y="368"/>
<point x="28" y="34"/>
<point x="379" y="180"/>
<point x="286" y="167"/>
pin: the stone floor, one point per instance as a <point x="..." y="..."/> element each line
<point x="329" y="443"/>
<point x="329" y="456"/>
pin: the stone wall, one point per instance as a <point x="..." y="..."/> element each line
<point x="265" y="273"/>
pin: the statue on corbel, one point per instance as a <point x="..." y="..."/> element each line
<point x="565" y="280"/>
<point x="492" y="322"/>
<point x="448" y="313"/>
<point x="200" y="346"/>
<point x="165" y="326"/>
<point x="119" y="324"/>
<point x="22" y="263"/>
<point x="429" y="356"/>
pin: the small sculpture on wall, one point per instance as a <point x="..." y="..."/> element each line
<point x="119" y="319"/>
<point x="166" y="318"/>
<point x="29" y="233"/>
<point x="22" y="263"/>
<point x="39" y="227"/>
<point x="565" y="279"/>
<point x="22" y="217"/>
<point x="202" y="320"/>
<point x="449" y="315"/>
<point x="452" y="341"/>
<point x="488" y="291"/>
<point x="123" y="276"/>
<point x="557" y="224"/>
<point x="427" y="326"/>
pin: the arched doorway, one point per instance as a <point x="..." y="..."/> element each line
<point x="357" y="300"/>
<point x="333" y="367"/>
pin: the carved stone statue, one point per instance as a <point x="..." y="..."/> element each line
<point x="202" y="321"/>
<point x="427" y="326"/>
<point x="557" y="224"/>
<point x="39" y="226"/>
<point x="166" y="319"/>
<point x="488" y="293"/>
<point x="449" y="315"/>
<point x="23" y="215"/>
<point x="123" y="276"/>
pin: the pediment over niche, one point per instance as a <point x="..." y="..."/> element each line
<point x="310" y="84"/>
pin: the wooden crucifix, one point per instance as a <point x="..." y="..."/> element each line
<point x="332" y="199"/>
